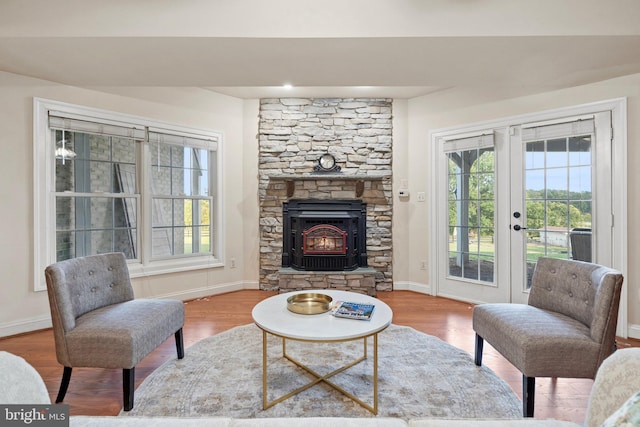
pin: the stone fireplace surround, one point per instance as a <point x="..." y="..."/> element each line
<point x="293" y="134"/>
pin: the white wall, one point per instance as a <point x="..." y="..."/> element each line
<point x="446" y="109"/>
<point x="251" y="204"/>
<point x="22" y="309"/>
<point x="403" y="207"/>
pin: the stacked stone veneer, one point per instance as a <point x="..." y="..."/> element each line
<point x="293" y="133"/>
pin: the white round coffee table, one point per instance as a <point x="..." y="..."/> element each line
<point x="273" y="317"/>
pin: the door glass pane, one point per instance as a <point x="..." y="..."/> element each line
<point x="535" y="181"/>
<point x="535" y="155"/>
<point x="557" y="153"/>
<point x="557" y="183"/>
<point x="558" y="200"/>
<point x="580" y="150"/>
<point x="580" y="182"/>
<point x="471" y="214"/>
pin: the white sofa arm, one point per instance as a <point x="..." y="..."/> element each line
<point x="318" y="422"/>
<point x="21" y="383"/>
<point x="616" y="381"/>
<point x="469" y="422"/>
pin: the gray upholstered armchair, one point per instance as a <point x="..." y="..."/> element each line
<point x="566" y="330"/>
<point x="97" y="322"/>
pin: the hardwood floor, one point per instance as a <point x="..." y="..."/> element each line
<point x="99" y="391"/>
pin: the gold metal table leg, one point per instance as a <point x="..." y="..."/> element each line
<point x="375" y="374"/>
<point x="321" y="378"/>
<point x="264" y="370"/>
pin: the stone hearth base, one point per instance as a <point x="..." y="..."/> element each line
<point x="361" y="280"/>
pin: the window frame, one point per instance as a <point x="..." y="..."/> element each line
<point x="44" y="194"/>
<point x="154" y="194"/>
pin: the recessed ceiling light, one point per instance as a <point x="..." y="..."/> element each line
<point x="287" y="86"/>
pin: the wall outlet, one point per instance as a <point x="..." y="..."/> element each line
<point x="423" y="265"/>
<point x="422" y="196"/>
<point x="233" y="262"/>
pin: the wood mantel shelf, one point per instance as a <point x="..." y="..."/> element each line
<point x="290" y="179"/>
<point x="327" y="176"/>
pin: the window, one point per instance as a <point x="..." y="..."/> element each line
<point x="106" y="182"/>
<point x="471" y="201"/>
<point x="181" y="204"/>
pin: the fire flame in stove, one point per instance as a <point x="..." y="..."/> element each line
<point x="324" y="244"/>
<point x="324" y="239"/>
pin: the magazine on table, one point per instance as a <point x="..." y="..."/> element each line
<point x="353" y="310"/>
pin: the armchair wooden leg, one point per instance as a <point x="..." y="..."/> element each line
<point x="64" y="384"/>
<point x="179" y="343"/>
<point x="128" y="385"/>
<point x="479" y="345"/>
<point x="528" y="395"/>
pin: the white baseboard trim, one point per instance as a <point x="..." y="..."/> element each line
<point x="634" y="331"/>
<point x="412" y="286"/>
<point x="24" y="326"/>
<point x="205" y="291"/>
<point x="457" y="298"/>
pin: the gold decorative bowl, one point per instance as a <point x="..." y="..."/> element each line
<point x="309" y="303"/>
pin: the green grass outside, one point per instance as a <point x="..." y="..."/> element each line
<point x="188" y="242"/>
<point x="535" y="250"/>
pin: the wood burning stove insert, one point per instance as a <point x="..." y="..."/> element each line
<point x="324" y="235"/>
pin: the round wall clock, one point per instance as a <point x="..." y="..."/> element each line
<point x="326" y="163"/>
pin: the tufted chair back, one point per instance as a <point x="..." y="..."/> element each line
<point x="583" y="291"/>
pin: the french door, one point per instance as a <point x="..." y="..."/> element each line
<point x="561" y="196"/>
<point x="516" y="192"/>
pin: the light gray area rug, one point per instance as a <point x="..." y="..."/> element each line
<point x="419" y="376"/>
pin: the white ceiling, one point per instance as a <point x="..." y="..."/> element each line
<point x="383" y="48"/>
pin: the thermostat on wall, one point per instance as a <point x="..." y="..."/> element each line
<point x="403" y="193"/>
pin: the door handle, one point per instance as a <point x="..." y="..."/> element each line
<point x="518" y="228"/>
